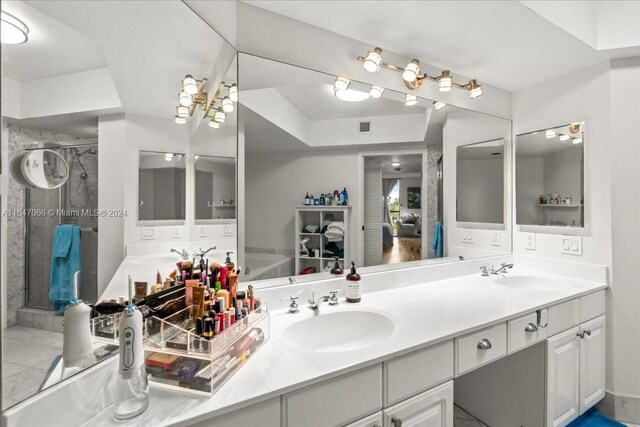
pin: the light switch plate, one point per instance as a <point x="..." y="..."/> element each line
<point x="147" y="233"/>
<point x="176" y="233"/>
<point x="467" y="236"/>
<point x="530" y="241"/>
<point x="203" y="232"/>
<point x="227" y="230"/>
<point x="571" y="245"/>
<point x="495" y="239"/>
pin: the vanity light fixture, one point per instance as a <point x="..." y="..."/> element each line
<point x="189" y="85"/>
<point x="227" y="105"/>
<point x="550" y="133"/>
<point x="168" y="157"/>
<point x="576" y="140"/>
<point x="214" y="124"/>
<point x="341" y="83"/>
<point x="438" y="105"/>
<point x="193" y="94"/>
<point x="12" y="29"/>
<point x="182" y="112"/>
<point x="233" y="92"/>
<point x="185" y="99"/>
<point x="445" y="81"/>
<point x="412" y="77"/>
<point x="180" y="120"/>
<point x="563" y="137"/>
<point x="575" y="127"/>
<point x="395" y="164"/>
<point x="219" y="116"/>
<point x="376" y="91"/>
<point x="410" y="100"/>
<point x="351" y="95"/>
<point x="373" y="60"/>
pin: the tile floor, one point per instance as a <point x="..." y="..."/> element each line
<point x="462" y="418"/>
<point x="28" y="353"/>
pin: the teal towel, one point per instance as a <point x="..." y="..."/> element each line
<point x="593" y="418"/>
<point x="64" y="263"/>
<point x="437" y="240"/>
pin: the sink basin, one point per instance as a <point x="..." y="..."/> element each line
<point x="530" y="283"/>
<point x="341" y="331"/>
<point x="156" y="260"/>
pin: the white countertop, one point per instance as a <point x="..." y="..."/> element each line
<point x="423" y="314"/>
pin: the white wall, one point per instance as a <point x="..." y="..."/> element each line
<point x="464" y="127"/>
<point x="529" y="185"/>
<point x="624" y="145"/>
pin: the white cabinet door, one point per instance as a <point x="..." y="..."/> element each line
<point x="433" y="408"/>
<point x="563" y="378"/>
<point x="374" y="420"/>
<point x="592" y="362"/>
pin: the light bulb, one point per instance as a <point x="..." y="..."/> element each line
<point x="563" y="137"/>
<point x="185" y="99"/>
<point x="550" y="133"/>
<point x="395" y="164"/>
<point x="341" y="83"/>
<point x="214" y="124"/>
<point x="233" y="92"/>
<point x="445" y="82"/>
<point x="182" y="111"/>
<point x="373" y="60"/>
<point x="376" y="91"/>
<point x="576" y="140"/>
<point x="12" y="29"/>
<point x="180" y="120"/>
<point x="168" y="157"/>
<point x="219" y="116"/>
<point x="438" y="105"/>
<point x="411" y="71"/>
<point x="410" y="100"/>
<point x="227" y="105"/>
<point x="189" y="85"/>
<point x="475" y="89"/>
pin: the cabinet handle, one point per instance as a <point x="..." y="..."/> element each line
<point x="485" y="344"/>
<point x="531" y="328"/>
<point x="580" y="334"/>
<point x="396" y="421"/>
<point x="588" y="332"/>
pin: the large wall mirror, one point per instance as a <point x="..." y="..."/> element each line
<point x="550" y="177"/>
<point x="215" y="188"/>
<point x="362" y="175"/>
<point x="98" y="83"/>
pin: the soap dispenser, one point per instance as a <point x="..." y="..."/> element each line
<point x="337" y="270"/>
<point x="353" y="285"/>
<point x="132" y="386"/>
<point x="230" y="265"/>
<point x="76" y="342"/>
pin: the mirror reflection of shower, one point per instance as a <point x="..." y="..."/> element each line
<point x="79" y="194"/>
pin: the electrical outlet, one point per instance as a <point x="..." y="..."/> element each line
<point x="203" y="232"/>
<point x="176" y="233"/>
<point x="530" y="241"/>
<point x="571" y="245"/>
<point x="495" y="239"/>
<point x="467" y="236"/>
<point x="147" y="233"/>
<point x="227" y="230"/>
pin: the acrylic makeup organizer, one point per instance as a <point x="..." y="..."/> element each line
<point x="194" y="364"/>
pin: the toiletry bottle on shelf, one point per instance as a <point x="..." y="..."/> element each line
<point x="353" y="285"/>
<point x="345" y="197"/>
<point x="132" y="387"/>
<point x="76" y="342"/>
<point x="307" y="201"/>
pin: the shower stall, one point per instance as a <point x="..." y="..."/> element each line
<point x="75" y="202"/>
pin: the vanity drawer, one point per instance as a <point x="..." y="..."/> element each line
<point x="335" y="402"/>
<point x="374" y="420"/>
<point x="417" y="371"/>
<point x="592" y="306"/>
<point x="265" y="413"/>
<point x="480" y="348"/>
<point x="525" y="331"/>
<point x="563" y="316"/>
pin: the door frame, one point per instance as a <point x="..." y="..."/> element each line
<point x="360" y="222"/>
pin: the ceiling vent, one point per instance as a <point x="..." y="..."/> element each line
<point x="365" y="127"/>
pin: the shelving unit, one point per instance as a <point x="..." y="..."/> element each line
<point x="307" y="215"/>
<point x="558" y="206"/>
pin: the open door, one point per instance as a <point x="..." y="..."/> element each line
<point x="372" y="228"/>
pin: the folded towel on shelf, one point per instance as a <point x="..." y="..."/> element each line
<point x="335" y="231"/>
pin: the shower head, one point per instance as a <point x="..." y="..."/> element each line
<point x="91" y="150"/>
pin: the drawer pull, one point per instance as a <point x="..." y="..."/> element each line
<point x="396" y="421"/>
<point x="485" y="344"/>
<point x="588" y="332"/>
<point x="531" y="328"/>
<point x="580" y="334"/>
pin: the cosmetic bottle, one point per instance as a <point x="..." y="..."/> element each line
<point x="353" y="285"/>
<point x="76" y="342"/>
<point x="251" y="298"/>
<point x="306" y="200"/>
<point x="345" y="196"/>
<point x="132" y="387"/>
<point x="230" y="265"/>
<point x="337" y="270"/>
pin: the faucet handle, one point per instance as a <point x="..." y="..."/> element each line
<point x="293" y="306"/>
<point x="485" y="270"/>
<point x="333" y="300"/>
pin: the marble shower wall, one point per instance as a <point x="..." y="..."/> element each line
<point x="433" y="155"/>
<point x="20" y="137"/>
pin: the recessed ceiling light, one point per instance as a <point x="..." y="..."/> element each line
<point x="410" y="100"/>
<point x="395" y="164"/>
<point x="445" y="81"/>
<point x="351" y="95"/>
<point x="341" y="83"/>
<point x="376" y="91"/>
<point x="438" y="105"/>
<point x="550" y="133"/>
<point x="373" y="60"/>
<point x="411" y="71"/>
<point x="12" y="29"/>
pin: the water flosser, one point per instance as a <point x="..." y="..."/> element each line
<point x="132" y="388"/>
<point x="76" y="342"/>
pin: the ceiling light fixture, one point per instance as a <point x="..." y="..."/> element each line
<point x="395" y="164"/>
<point x="445" y="81"/>
<point x="351" y="95"/>
<point x="410" y="100"/>
<point x="373" y="60"/>
<point x="189" y="85"/>
<point x="438" y="105"/>
<point x="180" y="120"/>
<point x="376" y="91"/>
<point x="227" y="105"/>
<point x="219" y="116"/>
<point x="412" y="78"/>
<point x="182" y="112"/>
<point x="550" y="133"/>
<point x="12" y="29"/>
<point x="563" y="137"/>
<point x="233" y="92"/>
<point x="341" y="83"/>
<point x="193" y="94"/>
<point x="214" y="124"/>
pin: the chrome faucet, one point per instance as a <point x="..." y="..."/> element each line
<point x="184" y="254"/>
<point x="202" y="252"/>
<point x="502" y="270"/>
<point x="315" y="303"/>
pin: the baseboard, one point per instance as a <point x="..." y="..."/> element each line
<point x="625" y="409"/>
